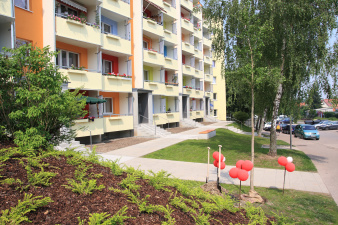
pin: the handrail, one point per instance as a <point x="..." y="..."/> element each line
<point x="148" y="120"/>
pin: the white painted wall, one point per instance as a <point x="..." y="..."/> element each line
<point x="5" y="36"/>
<point x="48" y="24"/>
<point x="123" y="100"/>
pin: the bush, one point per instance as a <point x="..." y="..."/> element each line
<point x="33" y="107"/>
<point x="329" y="114"/>
<point x="241" y="116"/>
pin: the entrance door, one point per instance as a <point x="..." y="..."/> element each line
<point x="143" y="107"/>
<point x="185" y="106"/>
<point x="206" y="106"/>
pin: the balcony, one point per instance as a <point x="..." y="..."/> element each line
<point x="170" y="37"/>
<point x="158" y="88"/>
<point x="152" y="27"/>
<point x="171" y="11"/>
<point x="153" y="58"/>
<point x="170" y="63"/>
<point x="119" y="7"/>
<point x="171" y="89"/>
<point x="116" y="84"/>
<point x="96" y="127"/>
<point x="207" y="42"/>
<point x="208" y="78"/>
<point x="188" y="70"/>
<point x="196" y="114"/>
<point x="164" y="118"/>
<point x="158" y="2"/>
<point x="196" y="93"/>
<point x="72" y="30"/>
<point x="116" y="44"/>
<point x="198" y="53"/>
<point x="187" y="25"/>
<point x="208" y="60"/>
<point x="118" y="123"/>
<point x="199" y="74"/>
<point x="79" y="78"/>
<point x="208" y="94"/>
<point x="187" y="4"/>
<point x="6" y="8"/>
<point x="188" y="48"/>
<point x="188" y="91"/>
<point x="198" y="33"/>
<point x="198" y="14"/>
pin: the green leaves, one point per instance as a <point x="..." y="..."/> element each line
<point x="32" y="103"/>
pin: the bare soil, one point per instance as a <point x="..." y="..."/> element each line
<point x="115" y="144"/>
<point x="67" y="207"/>
<point x="176" y="130"/>
<point x="207" y="123"/>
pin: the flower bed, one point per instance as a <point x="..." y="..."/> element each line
<point x="118" y="75"/>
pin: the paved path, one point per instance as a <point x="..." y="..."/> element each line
<point x="272" y="178"/>
<point x="324" y="154"/>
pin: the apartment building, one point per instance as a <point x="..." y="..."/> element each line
<point x="150" y="60"/>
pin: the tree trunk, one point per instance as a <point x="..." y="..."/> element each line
<point x="273" y="135"/>
<point x="259" y="132"/>
<point x="258" y="122"/>
<point x="252" y="137"/>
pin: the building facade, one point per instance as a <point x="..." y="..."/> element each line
<point x="151" y="60"/>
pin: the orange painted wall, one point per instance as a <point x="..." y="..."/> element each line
<point x="82" y="51"/>
<point x="116" y="100"/>
<point x="29" y="24"/>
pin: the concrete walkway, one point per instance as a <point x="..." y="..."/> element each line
<point x="271" y="178"/>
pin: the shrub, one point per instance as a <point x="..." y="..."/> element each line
<point x="241" y="116"/>
<point x="33" y="106"/>
<point x="329" y="114"/>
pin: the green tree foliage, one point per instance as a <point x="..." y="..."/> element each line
<point x="314" y="99"/>
<point x="241" y="116"/>
<point x="292" y="39"/>
<point x="33" y="106"/>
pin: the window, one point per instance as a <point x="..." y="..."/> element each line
<point x="20" y="42"/>
<point x="145" y="45"/>
<point x="215" y="112"/>
<point x="213" y="63"/>
<point x="22" y="4"/>
<point x="108" y="105"/>
<point x="215" y="96"/>
<point x="145" y="75"/>
<point x="107" y="66"/>
<point x="214" y="80"/>
<point x="106" y="28"/>
<point x="66" y="59"/>
<point x="67" y="10"/>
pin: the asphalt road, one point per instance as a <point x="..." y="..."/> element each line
<point x="324" y="154"/>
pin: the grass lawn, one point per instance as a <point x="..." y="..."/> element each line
<point x="238" y="126"/>
<point x="235" y="147"/>
<point x="296" y="206"/>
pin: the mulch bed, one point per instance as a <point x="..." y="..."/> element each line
<point x="118" y="143"/>
<point x="67" y="206"/>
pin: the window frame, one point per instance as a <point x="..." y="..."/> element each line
<point x="214" y="96"/>
<point x="145" y="42"/>
<point x="105" y="107"/>
<point x="27" y="3"/>
<point x="146" y="73"/>
<point x="104" y="66"/>
<point x="106" y="24"/>
<point x="67" y="10"/>
<point x="215" y="113"/>
<point x="58" y="59"/>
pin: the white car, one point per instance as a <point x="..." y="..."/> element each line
<point x="267" y="126"/>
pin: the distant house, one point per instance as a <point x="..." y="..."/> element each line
<point x="327" y="106"/>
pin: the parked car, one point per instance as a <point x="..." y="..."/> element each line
<point x="333" y="126"/>
<point x="319" y="124"/>
<point x="267" y="126"/>
<point x="325" y="124"/>
<point x="306" y="131"/>
<point x="312" y="122"/>
<point x="286" y="130"/>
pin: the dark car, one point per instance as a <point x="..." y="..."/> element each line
<point x="312" y="122"/>
<point x="287" y="129"/>
<point x="325" y="125"/>
<point x="306" y="131"/>
<point x="333" y="126"/>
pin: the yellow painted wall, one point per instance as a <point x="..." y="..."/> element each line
<point x="220" y="89"/>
